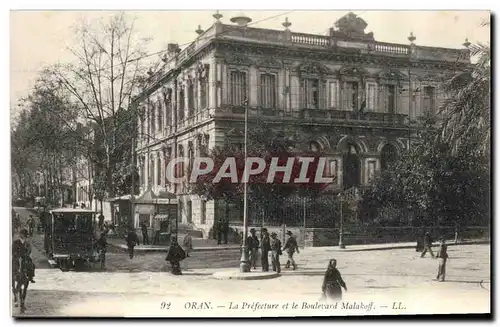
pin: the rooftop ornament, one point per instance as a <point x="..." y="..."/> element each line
<point x="411" y="38"/>
<point x="199" y="31"/>
<point x="286" y="23"/>
<point x="217" y="16"/>
<point x="241" y="20"/>
<point x="466" y="43"/>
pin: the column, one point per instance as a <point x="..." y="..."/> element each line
<point x="253" y="86"/>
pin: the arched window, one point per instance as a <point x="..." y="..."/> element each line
<point x="351" y="167"/>
<point x="388" y="156"/>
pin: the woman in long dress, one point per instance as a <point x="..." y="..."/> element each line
<point x="333" y="282"/>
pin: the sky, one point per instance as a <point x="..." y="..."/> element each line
<point x="44" y="41"/>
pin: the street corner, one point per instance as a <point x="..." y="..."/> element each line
<point x="236" y="274"/>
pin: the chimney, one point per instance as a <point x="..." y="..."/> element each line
<point x="241" y="20"/>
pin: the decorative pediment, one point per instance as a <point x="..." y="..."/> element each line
<point x="353" y="71"/>
<point x="314" y="68"/>
<point x="269" y="63"/>
<point x="237" y="59"/>
<point x="392" y="74"/>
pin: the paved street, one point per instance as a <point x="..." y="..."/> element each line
<point x="137" y="287"/>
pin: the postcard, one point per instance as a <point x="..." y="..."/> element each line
<point x="250" y="164"/>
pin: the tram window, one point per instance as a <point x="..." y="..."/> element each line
<point x="84" y="223"/>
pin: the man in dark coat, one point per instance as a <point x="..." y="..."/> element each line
<point x="101" y="221"/>
<point x="132" y="240"/>
<point x="253" y="247"/>
<point x="427" y="245"/>
<point x="265" y="248"/>
<point x="22" y="263"/>
<point x="144" y="230"/>
<point x="275" y="252"/>
<point x="219" y="231"/>
<point x="175" y="255"/>
<point x="225" y="229"/>
<point x="31" y="225"/>
<point x="290" y="247"/>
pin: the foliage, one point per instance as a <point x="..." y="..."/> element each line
<point x="466" y="112"/>
<point x="263" y="142"/>
<point x="431" y="185"/>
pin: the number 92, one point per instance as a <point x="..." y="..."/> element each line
<point x="165" y="305"/>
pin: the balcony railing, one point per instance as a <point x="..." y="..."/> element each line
<point x="311" y="39"/>
<point x="318" y="114"/>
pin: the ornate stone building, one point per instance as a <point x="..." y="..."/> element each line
<point x="356" y="99"/>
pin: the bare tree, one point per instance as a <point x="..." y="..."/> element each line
<point x="108" y="67"/>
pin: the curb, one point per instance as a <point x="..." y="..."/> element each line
<point x="347" y="249"/>
<point x="236" y="275"/>
<point x="165" y="249"/>
<point x="381" y="248"/>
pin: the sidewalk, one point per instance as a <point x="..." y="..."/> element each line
<point x="199" y="245"/>
<point x="202" y="245"/>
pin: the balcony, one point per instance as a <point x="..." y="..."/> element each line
<point x="316" y="115"/>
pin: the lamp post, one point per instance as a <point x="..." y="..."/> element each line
<point x="244" y="262"/>
<point x="341" y="227"/>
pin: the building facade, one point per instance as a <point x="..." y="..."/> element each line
<point x="356" y="100"/>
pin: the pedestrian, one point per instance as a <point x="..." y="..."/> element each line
<point x="175" y="255"/>
<point x="253" y="248"/>
<point x="144" y="230"/>
<point x="219" y="231"/>
<point x="157" y="230"/>
<point x="16" y="222"/>
<point x="187" y="244"/>
<point x="31" y="225"/>
<point x="443" y="257"/>
<point x="132" y="240"/>
<point x="101" y="221"/>
<point x="102" y="245"/>
<point x="265" y="248"/>
<point x="23" y="269"/>
<point x="290" y="247"/>
<point x="225" y="229"/>
<point x="333" y="283"/>
<point x="427" y="245"/>
<point x="275" y="252"/>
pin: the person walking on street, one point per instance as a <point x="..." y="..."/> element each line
<point x="175" y="255"/>
<point x="443" y="257"/>
<point x="253" y="247"/>
<point x="333" y="283"/>
<point x="427" y="245"/>
<point x="132" y="240"/>
<point x="225" y="229"/>
<point x="275" y="252"/>
<point x="219" y="231"/>
<point x="101" y="221"/>
<point x="144" y="230"/>
<point x="157" y="230"/>
<point x="102" y="246"/>
<point x="31" y="225"/>
<point x="265" y="248"/>
<point x="187" y="244"/>
<point x="290" y="247"/>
